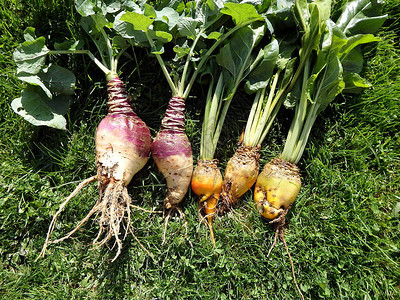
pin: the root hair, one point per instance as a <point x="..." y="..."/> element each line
<point x="112" y="210"/>
<point x="279" y="224"/>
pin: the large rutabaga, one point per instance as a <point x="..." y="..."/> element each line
<point x="123" y="144"/>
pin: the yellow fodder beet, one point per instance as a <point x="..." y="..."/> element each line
<point x="276" y="188"/>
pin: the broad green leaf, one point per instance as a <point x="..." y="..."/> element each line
<point x="324" y="8"/>
<point x="30" y="56"/>
<point x="127" y="30"/>
<point x="169" y="16"/>
<point x="35" y="80"/>
<point x="354" y="83"/>
<point x="235" y="56"/>
<point x="214" y="35"/>
<point x="130" y="5"/>
<point x="101" y="21"/>
<point x="52" y="80"/>
<point x="281" y="19"/>
<point x="331" y="30"/>
<point x="68" y="45"/>
<point x="90" y="7"/>
<point x="259" y="77"/>
<point x="149" y="11"/>
<point x="112" y="6"/>
<point x="161" y="36"/>
<point x="181" y="51"/>
<point x="330" y="85"/>
<point x="361" y="16"/>
<point x="212" y="8"/>
<point x="187" y="27"/>
<point x="160" y="26"/>
<point x="120" y="43"/>
<point x="232" y="55"/>
<point x="139" y="21"/>
<point x="59" y="80"/>
<point x="353" y="62"/>
<point x="241" y="12"/>
<point x="39" y="110"/>
<point x="334" y="44"/>
<point x="29" y="34"/>
<point x="356" y="40"/>
<point x="157" y="49"/>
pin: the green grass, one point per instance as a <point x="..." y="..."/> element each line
<point x="343" y="231"/>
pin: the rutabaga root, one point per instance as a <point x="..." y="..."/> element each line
<point x="207" y="184"/>
<point x="240" y="174"/>
<point x="276" y="188"/>
<point x="123" y="144"/>
<point x="172" y="153"/>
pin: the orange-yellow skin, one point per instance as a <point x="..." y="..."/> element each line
<point x="240" y="174"/>
<point x="207" y="184"/>
<point x="276" y="188"/>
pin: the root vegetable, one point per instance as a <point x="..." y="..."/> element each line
<point x="172" y="153"/>
<point x="207" y="184"/>
<point x="123" y="144"/>
<point x="240" y="174"/>
<point x="276" y="188"/>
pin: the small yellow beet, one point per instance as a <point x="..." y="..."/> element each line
<point x="207" y="184"/>
<point x="240" y="174"/>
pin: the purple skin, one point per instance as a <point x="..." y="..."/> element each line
<point x="131" y="129"/>
<point x="123" y="140"/>
<point x="172" y="152"/>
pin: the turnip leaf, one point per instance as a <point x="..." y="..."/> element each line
<point x="35" y="80"/>
<point x="241" y="12"/>
<point x="356" y="40"/>
<point x="30" y="56"/>
<point x="29" y="34"/>
<point x="139" y="21"/>
<point x="187" y="27"/>
<point x="214" y="35"/>
<point x="36" y="108"/>
<point x="169" y="16"/>
<point x="59" y="80"/>
<point x="233" y="55"/>
<point x="90" y="7"/>
<point x="353" y="62"/>
<point x="68" y="45"/>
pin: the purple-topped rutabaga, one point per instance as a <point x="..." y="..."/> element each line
<point x="172" y="152"/>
